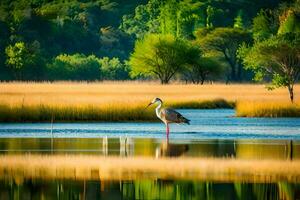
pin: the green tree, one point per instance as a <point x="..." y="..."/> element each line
<point x="179" y="17"/>
<point x="113" y="69"/>
<point x="265" y="24"/>
<point x="167" y="17"/>
<point x="201" y="69"/>
<point x="277" y="58"/>
<point x="75" y="67"/>
<point x="144" y="20"/>
<point x="25" y="60"/>
<point x="238" y="21"/>
<point x="289" y="21"/>
<point x="225" y="41"/>
<point x="161" y="56"/>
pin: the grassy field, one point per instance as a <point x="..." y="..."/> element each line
<point x="125" y="101"/>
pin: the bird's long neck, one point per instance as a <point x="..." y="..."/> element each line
<point x="157" y="109"/>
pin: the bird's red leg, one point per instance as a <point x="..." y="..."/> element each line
<point x="168" y="131"/>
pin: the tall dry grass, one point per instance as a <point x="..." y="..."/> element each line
<point x="119" y="101"/>
<point x="267" y="109"/>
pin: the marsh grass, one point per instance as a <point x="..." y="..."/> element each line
<point x="122" y="101"/>
<point x="205" y="104"/>
<point x="92" y="113"/>
<point x="267" y="109"/>
<point x="46" y="113"/>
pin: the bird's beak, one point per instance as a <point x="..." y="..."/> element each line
<point x="148" y="105"/>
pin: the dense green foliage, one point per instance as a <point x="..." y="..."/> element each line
<point x="75" y="67"/>
<point x="201" y="69"/>
<point x="32" y="31"/>
<point x="276" y="56"/>
<point x="96" y="38"/>
<point x="162" y="56"/>
<point x="226" y="41"/>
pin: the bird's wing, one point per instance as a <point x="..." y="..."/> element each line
<point x="173" y="116"/>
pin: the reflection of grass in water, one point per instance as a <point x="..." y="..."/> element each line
<point x="115" y="168"/>
<point x="267" y="109"/>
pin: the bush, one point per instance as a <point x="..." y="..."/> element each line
<point x="113" y="69"/>
<point x="75" y="67"/>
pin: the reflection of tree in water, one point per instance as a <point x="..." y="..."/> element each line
<point x="167" y="149"/>
<point x="146" y="189"/>
<point x="126" y="146"/>
<point x="207" y="190"/>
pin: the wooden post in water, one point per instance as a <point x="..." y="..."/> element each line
<point x="52" y="133"/>
<point x="105" y="145"/>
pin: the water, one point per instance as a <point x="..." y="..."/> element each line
<point x="205" y="124"/>
<point x="213" y="134"/>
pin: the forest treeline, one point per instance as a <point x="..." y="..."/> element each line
<point x="190" y="40"/>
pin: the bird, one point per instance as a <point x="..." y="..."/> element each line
<point x="171" y="150"/>
<point x="167" y="115"/>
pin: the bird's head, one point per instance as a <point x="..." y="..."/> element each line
<point x="154" y="101"/>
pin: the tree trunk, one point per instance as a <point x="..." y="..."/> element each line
<point x="203" y="76"/>
<point x="232" y="64"/>
<point x="239" y="72"/>
<point x="291" y="92"/>
<point x="233" y="75"/>
<point x="202" y="79"/>
<point x="164" y="80"/>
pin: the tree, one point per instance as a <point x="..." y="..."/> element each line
<point x="113" y="69"/>
<point x="144" y="20"/>
<point x="265" y="24"/>
<point x="238" y="21"/>
<point x="278" y="58"/>
<point x="225" y="41"/>
<point x="163" y="16"/>
<point x="179" y="17"/>
<point x="161" y="56"/>
<point x="199" y="70"/>
<point x="25" y="60"/>
<point x="75" y="67"/>
<point x="289" y="21"/>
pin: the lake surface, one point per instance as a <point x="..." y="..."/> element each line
<point x="212" y="134"/>
<point x="205" y="124"/>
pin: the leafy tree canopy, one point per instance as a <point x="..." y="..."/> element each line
<point x="225" y="41"/>
<point x="161" y="56"/>
<point x="277" y="58"/>
<point x="75" y="67"/>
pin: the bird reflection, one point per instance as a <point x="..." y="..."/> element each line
<point x="167" y="149"/>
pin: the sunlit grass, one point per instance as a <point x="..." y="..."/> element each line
<point x="109" y="112"/>
<point x="267" y="109"/>
<point x="120" y="101"/>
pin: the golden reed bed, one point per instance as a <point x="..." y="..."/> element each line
<point x="82" y="167"/>
<point x="125" y="101"/>
<point x="109" y="93"/>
